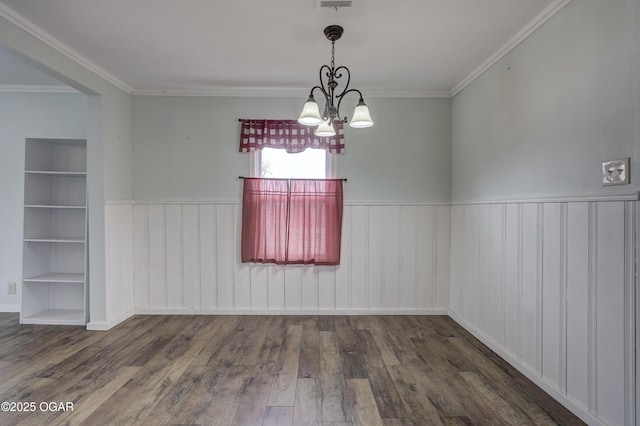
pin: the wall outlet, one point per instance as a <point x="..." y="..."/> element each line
<point x="615" y="172"/>
<point x="11" y="288"/>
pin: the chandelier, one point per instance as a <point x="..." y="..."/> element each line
<point x="329" y="76"/>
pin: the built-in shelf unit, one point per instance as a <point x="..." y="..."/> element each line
<point x="54" y="284"/>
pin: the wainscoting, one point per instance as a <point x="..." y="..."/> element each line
<point x="184" y="258"/>
<point x="550" y="287"/>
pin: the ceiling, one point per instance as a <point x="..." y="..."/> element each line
<point x="409" y="47"/>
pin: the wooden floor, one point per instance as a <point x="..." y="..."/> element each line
<point x="264" y="370"/>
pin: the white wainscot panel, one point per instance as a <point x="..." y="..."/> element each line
<point x="185" y="258"/>
<point x="550" y="287"/>
<point x="119" y="273"/>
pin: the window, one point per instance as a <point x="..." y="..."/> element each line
<point x="292" y="205"/>
<point x="312" y="163"/>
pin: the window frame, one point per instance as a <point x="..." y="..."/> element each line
<point x="255" y="163"/>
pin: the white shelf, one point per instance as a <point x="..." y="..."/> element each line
<point x="55" y="240"/>
<point x="56" y="277"/>
<point x="47" y="206"/>
<point x="56" y="317"/>
<point x="56" y="173"/>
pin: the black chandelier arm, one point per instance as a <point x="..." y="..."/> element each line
<point x="348" y="73"/>
<point x="324" y="92"/>
<point x="328" y="74"/>
<point x="341" y="97"/>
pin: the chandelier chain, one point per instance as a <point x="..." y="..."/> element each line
<point x="333" y="50"/>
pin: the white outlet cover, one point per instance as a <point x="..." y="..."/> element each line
<point x="615" y="172"/>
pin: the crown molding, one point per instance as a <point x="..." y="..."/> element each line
<point x="27" y="26"/>
<point x="248" y="92"/>
<point x="548" y="13"/>
<point x="283" y="92"/>
<point x="382" y="93"/>
<point x="35" y="88"/>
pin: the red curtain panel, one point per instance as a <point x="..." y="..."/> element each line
<point x="297" y="221"/>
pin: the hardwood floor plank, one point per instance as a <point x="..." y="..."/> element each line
<point x="362" y="403"/>
<point x="148" y="386"/>
<point x="505" y="386"/>
<point x="418" y="408"/>
<point x="369" y="349"/>
<point x="267" y="360"/>
<point x="308" y="406"/>
<point x="309" y="365"/>
<point x="225" y="397"/>
<point x="86" y="402"/>
<point x="381" y="339"/>
<point x="253" y="401"/>
<point x="441" y="395"/>
<point x="502" y="409"/>
<point x="221" y="331"/>
<point x="385" y="394"/>
<point x="334" y="406"/>
<point x="353" y="361"/>
<point x="278" y="416"/>
<point x="283" y="392"/>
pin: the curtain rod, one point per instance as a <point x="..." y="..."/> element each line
<point x="247" y="177"/>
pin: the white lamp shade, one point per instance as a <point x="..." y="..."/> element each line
<point x="361" y="117"/>
<point x="310" y="115"/>
<point x="325" y="129"/>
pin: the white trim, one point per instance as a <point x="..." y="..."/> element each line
<point x="284" y="92"/>
<point x="107" y="325"/>
<point x="161" y="202"/>
<point x="10" y="308"/>
<point x="224" y="202"/>
<point x="396" y="203"/>
<point x="255" y="163"/>
<point x="249" y="92"/>
<point x="548" y="13"/>
<point x="36" y="88"/>
<point x="636" y="310"/>
<point x="27" y="26"/>
<point x="412" y="93"/>
<point x="630" y="307"/>
<point x="431" y="311"/>
<point x="572" y="405"/>
<point x="635" y="196"/>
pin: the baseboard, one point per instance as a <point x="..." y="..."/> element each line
<point x="107" y="325"/>
<point x="10" y="308"/>
<point x="575" y="407"/>
<point x="433" y="311"/>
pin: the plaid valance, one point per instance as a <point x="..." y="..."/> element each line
<point x="287" y="134"/>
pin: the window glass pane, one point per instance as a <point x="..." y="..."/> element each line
<point x="309" y="164"/>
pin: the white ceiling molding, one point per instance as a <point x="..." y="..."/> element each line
<point x="525" y="32"/>
<point x="406" y="93"/>
<point x="35" y="88"/>
<point x="242" y="92"/>
<point x="283" y="92"/>
<point x="16" y="19"/>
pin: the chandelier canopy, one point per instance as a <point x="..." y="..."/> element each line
<point x="329" y="76"/>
